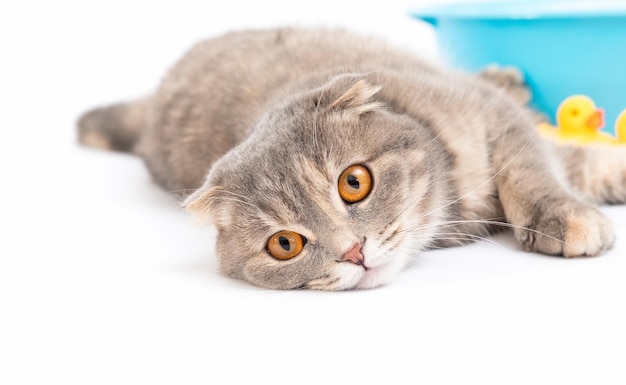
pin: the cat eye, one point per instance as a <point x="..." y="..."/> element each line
<point x="355" y="183"/>
<point x="285" y="244"/>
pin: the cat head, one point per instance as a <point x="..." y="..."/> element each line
<point x="332" y="190"/>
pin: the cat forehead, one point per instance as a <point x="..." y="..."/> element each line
<point x="285" y="181"/>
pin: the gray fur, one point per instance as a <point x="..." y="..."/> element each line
<point x="257" y="126"/>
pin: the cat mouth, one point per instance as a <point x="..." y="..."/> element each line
<point x="364" y="266"/>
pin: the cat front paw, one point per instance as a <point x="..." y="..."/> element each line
<point x="571" y="230"/>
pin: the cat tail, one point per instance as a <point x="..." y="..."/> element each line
<point x="115" y="127"/>
<point x="597" y="171"/>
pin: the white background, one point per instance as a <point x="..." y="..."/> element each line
<point x="104" y="280"/>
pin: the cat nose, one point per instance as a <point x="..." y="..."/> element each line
<point x="354" y="255"/>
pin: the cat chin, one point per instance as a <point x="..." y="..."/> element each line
<point x="356" y="277"/>
<point x="382" y="274"/>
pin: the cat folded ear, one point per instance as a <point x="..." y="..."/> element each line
<point x="203" y="205"/>
<point x="358" y="98"/>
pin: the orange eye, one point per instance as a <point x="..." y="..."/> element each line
<point x="355" y="183"/>
<point x="285" y="245"/>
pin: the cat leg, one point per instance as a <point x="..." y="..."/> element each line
<point x="547" y="216"/>
<point x="598" y="172"/>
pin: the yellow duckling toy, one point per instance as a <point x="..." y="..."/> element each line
<point x="579" y="121"/>
<point x="620" y="127"/>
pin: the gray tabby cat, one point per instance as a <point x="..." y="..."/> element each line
<point x="327" y="161"/>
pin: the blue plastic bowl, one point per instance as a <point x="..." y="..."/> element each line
<point x="563" y="48"/>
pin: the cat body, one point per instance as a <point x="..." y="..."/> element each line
<point x="328" y="160"/>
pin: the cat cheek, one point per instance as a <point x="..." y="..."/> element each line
<point x="264" y="271"/>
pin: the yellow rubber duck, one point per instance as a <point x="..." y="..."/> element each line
<point x="620" y="127"/>
<point x="579" y="121"/>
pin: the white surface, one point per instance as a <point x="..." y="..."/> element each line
<point x="103" y="280"/>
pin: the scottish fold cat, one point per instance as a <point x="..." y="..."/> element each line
<point x="328" y="160"/>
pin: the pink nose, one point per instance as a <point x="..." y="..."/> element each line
<point x="354" y="255"/>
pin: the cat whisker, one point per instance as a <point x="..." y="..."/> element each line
<point x="235" y="194"/>
<point x="315" y="114"/>
<point x="473" y="238"/>
<point x="235" y="200"/>
<point x="438" y="224"/>
<point x="482" y="221"/>
<point x="184" y="191"/>
<point x="453" y="237"/>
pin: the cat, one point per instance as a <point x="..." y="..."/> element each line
<point x="328" y="160"/>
